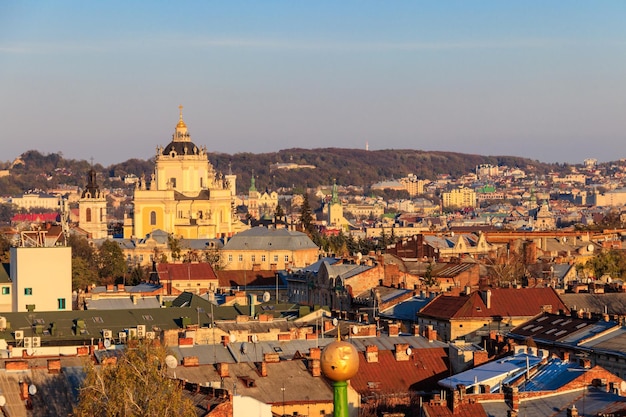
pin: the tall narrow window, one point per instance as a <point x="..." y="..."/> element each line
<point x="101" y="214"/>
<point x="88" y="215"/>
<point x="61" y="303"/>
<point x="173" y="182"/>
<point x="153" y="218"/>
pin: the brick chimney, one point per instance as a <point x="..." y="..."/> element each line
<point x="401" y="352"/>
<point x="315" y="367"/>
<point x="222" y="369"/>
<point x="393" y="329"/>
<point x="573" y="411"/>
<point x="480" y="357"/>
<point x="430" y="333"/>
<point x="270" y="357"/>
<point x="262" y="368"/>
<point x="371" y="353"/>
<point x="416" y="330"/>
<point x="315" y="353"/>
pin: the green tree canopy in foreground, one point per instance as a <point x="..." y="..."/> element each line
<point x="136" y="386"/>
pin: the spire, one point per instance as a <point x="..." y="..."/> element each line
<point x="252" y="182"/>
<point x="181" y="122"/>
<point x="181" y="134"/>
<point x="92" y="190"/>
<point x="335" y="195"/>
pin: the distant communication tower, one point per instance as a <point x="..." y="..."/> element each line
<point x="367" y="146"/>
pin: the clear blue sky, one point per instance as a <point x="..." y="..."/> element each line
<point x="543" y="80"/>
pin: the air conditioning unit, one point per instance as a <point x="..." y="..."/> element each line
<point x="36" y="341"/>
<point x="28" y="342"/>
<point x="132" y="333"/>
<point x="122" y="336"/>
<point x="150" y="335"/>
<point x="107" y="334"/>
<point x="19" y="334"/>
<point x="141" y="331"/>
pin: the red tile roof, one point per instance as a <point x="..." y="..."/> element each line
<point x="36" y="217"/>
<point x="505" y="302"/>
<point x="462" y="410"/>
<point x="185" y="271"/>
<point x="246" y="278"/>
<point x="388" y="376"/>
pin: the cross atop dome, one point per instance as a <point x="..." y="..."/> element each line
<point x="181" y="123"/>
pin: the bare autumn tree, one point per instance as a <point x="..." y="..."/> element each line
<point x="507" y="267"/>
<point x="137" y="385"/>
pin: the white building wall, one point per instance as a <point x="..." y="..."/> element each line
<point x="41" y="277"/>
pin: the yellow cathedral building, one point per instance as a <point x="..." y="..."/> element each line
<point x="185" y="196"/>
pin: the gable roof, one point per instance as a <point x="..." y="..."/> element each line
<point x="185" y="271"/>
<point x="505" y="302"/>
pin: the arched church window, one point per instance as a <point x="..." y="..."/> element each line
<point x="88" y="215"/>
<point x="153" y="218"/>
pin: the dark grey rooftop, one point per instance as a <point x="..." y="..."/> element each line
<point x="262" y="238"/>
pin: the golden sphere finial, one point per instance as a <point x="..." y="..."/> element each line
<point x="339" y="361"/>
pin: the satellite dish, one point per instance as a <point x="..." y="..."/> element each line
<point x="335" y="321"/>
<point x="29" y="351"/>
<point x="32" y="389"/>
<point x="232" y="338"/>
<point x="355" y="330"/>
<point x="266" y="297"/>
<point x="107" y="343"/>
<point x="171" y="361"/>
<point x="3" y="401"/>
<point x="590" y="247"/>
<point x="255" y="338"/>
<point x="409" y="351"/>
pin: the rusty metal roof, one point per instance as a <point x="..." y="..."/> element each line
<point x="505" y="302"/>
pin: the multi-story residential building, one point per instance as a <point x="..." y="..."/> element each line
<point x="459" y="198"/>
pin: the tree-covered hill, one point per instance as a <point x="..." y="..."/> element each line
<point x="347" y="166"/>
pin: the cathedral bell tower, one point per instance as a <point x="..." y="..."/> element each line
<point x="92" y="205"/>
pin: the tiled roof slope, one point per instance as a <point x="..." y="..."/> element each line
<point x="185" y="271"/>
<point x="388" y="376"/>
<point x="505" y="302"/>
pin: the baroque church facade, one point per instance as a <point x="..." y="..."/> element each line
<point x="185" y="196"/>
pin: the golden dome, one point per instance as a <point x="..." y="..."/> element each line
<point x="181" y="123"/>
<point x="339" y="361"/>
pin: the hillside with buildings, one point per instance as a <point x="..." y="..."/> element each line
<point x="487" y="287"/>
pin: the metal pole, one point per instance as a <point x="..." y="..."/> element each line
<point x="283" y="390"/>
